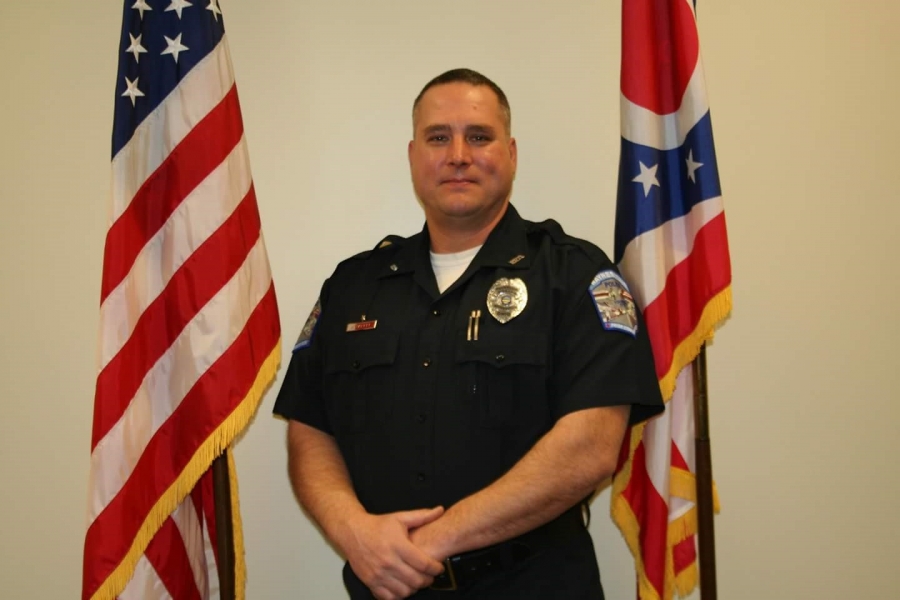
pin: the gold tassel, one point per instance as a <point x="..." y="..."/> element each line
<point x="715" y="312"/>
<point x="212" y="447"/>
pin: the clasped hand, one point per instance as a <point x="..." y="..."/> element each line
<point x="389" y="557"/>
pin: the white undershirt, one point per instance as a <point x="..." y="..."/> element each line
<point x="448" y="267"/>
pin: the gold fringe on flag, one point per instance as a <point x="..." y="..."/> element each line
<point x="714" y="313"/>
<point x="202" y="460"/>
<point x="240" y="563"/>
<point x="682" y="484"/>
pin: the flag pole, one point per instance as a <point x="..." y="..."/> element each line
<point x="224" y="530"/>
<point x="706" y="537"/>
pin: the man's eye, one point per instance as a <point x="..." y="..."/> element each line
<point x="479" y="138"/>
<point x="437" y="138"/>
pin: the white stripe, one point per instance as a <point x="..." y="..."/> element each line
<point x="189" y="526"/>
<point x="145" y="584"/>
<point x="666" y="132"/>
<point x="200" y="214"/>
<point x="210" y="552"/>
<point x="681" y="407"/>
<point x="650" y="257"/>
<point x="660" y="431"/>
<point x="199" y="92"/>
<point x="678" y="507"/>
<point x="658" y="453"/>
<point x="200" y="344"/>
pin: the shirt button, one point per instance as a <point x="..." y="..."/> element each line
<point x="421" y="418"/>
<point x="421" y="477"/>
<point x="500" y="358"/>
<point x="436" y="312"/>
<point x="355" y="364"/>
<point x="426" y="363"/>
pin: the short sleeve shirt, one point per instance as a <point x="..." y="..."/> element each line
<point x="433" y="396"/>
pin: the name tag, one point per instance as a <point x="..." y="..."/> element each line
<point x="362" y="325"/>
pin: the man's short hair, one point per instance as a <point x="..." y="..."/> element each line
<point x="472" y="78"/>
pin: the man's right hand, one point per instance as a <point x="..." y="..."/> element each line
<point x="378" y="547"/>
<point x="381" y="554"/>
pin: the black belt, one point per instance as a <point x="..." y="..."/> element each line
<point x="463" y="570"/>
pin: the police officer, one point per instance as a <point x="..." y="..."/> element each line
<point x="456" y="396"/>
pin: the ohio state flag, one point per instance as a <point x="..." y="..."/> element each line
<point x="671" y="245"/>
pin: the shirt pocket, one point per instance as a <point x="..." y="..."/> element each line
<point x="505" y="376"/>
<point x="358" y="380"/>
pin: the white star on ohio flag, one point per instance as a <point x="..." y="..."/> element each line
<point x="178" y="6"/>
<point x="647" y="178"/>
<point x="214" y="8"/>
<point x="132" y="92"/>
<point x="141" y="5"/>
<point x="174" y="46"/>
<point x="136" y="47"/>
<point x="692" y="166"/>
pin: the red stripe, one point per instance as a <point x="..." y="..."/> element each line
<point x="215" y="396"/>
<point x="203" y="274"/>
<point x="169" y="558"/>
<point x="189" y="163"/>
<point x="677" y="459"/>
<point x="624" y="450"/>
<point x="196" y="505"/>
<point x="659" y="52"/>
<point x="197" y="500"/>
<point x="684" y="554"/>
<point x="208" y="511"/>
<point x="690" y="285"/>
<point x="652" y="516"/>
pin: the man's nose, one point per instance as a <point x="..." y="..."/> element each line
<point x="459" y="151"/>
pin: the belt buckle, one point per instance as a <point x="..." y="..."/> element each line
<point x="447" y="579"/>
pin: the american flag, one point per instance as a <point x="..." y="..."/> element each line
<point x="189" y="330"/>
<point x="672" y="247"/>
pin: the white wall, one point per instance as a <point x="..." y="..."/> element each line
<point x="803" y="378"/>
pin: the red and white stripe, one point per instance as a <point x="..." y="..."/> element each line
<point x="189" y="339"/>
<point x="678" y="273"/>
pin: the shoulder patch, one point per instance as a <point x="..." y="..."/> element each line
<point x="614" y="302"/>
<point x="306" y="334"/>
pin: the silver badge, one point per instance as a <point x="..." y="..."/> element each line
<point x="507" y="299"/>
<point x="614" y="302"/>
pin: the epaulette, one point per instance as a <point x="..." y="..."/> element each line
<point x="561" y="238"/>
<point x="389" y="240"/>
<point x="386" y="242"/>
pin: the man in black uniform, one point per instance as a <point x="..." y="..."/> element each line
<point x="456" y="396"/>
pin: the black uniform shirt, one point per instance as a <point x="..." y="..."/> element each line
<point x="424" y="416"/>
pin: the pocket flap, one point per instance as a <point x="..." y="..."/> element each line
<point x="366" y="350"/>
<point x="511" y="348"/>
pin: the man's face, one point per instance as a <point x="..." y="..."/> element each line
<point x="462" y="159"/>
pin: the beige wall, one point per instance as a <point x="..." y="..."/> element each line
<point x="804" y="377"/>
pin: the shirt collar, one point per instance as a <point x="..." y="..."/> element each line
<point x="506" y="246"/>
